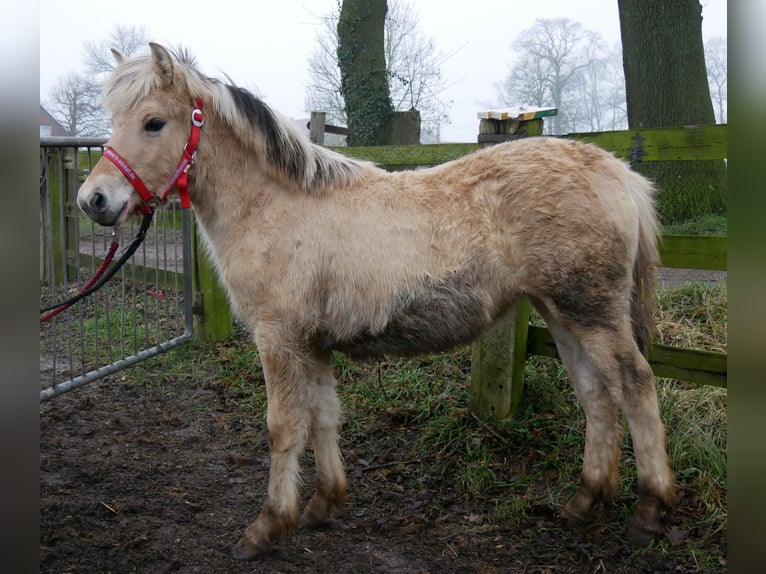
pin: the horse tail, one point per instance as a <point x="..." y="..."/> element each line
<point x="647" y="260"/>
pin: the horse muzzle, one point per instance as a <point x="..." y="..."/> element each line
<point x="107" y="209"/>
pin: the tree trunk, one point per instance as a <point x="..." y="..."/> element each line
<point x="362" y="62"/>
<point x="666" y="85"/>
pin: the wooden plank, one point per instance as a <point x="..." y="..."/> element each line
<point x="540" y="342"/>
<point x="517" y="113"/>
<point x="646" y="144"/>
<point x="694" y="366"/>
<point x="663" y="144"/>
<point x="649" y="144"/>
<point x="56" y="197"/>
<point x="407" y="156"/>
<point x="694" y="252"/>
<point x="700" y="367"/>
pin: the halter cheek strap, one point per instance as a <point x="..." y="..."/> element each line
<point x="132" y="177"/>
<point x="180" y="176"/>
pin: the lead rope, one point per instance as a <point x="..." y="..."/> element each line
<point x="101" y="276"/>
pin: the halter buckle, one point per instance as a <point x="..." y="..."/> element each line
<point x="197" y="117"/>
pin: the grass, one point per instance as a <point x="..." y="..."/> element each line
<point x="702" y="225"/>
<point x="695" y="316"/>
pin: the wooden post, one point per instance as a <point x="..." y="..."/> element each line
<point x="212" y="314"/>
<point x="45" y="217"/>
<point x="316" y="129"/>
<point x="498" y="358"/>
<point x="404" y="128"/>
<point x="54" y="224"/>
<point x="497" y="364"/>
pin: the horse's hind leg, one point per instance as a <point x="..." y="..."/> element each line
<point x="634" y="390"/>
<point x="608" y="354"/>
<point x="600" y="476"/>
<point x="286" y="373"/>
<point x="324" y="409"/>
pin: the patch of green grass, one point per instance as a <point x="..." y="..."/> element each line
<point x="702" y="225"/>
<point x="121" y="319"/>
<point x="232" y="365"/>
<point x="431" y="393"/>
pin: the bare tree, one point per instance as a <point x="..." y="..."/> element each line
<point x="75" y="100"/>
<point x="413" y="67"/>
<point x="526" y="84"/>
<point x="323" y="93"/>
<point x="715" y="61"/>
<point x="558" y="59"/>
<point x="597" y="101"/>
<point x="128" y="40"/>
<point x="616" y="117"/>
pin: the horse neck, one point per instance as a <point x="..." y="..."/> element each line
<point x="228" y="182"/>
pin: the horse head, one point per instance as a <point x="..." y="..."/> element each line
<point x="151" y="106"/>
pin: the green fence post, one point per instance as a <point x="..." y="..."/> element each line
<point x="498" y="364"/>
<point x="53" y="220"/>
<point x="212" y="313"/>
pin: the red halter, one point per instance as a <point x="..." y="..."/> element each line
<point x="180" y="175"/>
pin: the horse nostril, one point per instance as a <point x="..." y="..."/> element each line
<point x="98" y="202"/>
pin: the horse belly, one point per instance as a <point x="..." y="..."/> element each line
<point x="431" y="316"/>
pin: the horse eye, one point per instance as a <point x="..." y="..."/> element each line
<point x="154" y="125"/>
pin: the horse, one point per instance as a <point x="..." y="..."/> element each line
<point x="320" y="252"/>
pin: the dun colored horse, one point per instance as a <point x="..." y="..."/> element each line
<point x="320" y="252"/>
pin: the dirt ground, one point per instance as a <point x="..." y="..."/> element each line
<point x="164" y="477"/>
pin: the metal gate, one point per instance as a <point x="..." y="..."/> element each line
<point x="144" y="310"/>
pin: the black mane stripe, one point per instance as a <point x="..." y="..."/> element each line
<point x="284" y="149"/>
<point x="280" y="150"/>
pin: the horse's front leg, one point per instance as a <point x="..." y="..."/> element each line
<point x="331" y="483"/>
<point x="288" y="419"/>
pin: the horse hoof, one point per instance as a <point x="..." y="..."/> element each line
<point x="577" y="512"/>
<point x="573" y="521"/>
<point x="314" y="523"/>
<point x="641" y="533"/>
<point x="245" y="550"/>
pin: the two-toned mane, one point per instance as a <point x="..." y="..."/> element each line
<point x="319" y="252"/>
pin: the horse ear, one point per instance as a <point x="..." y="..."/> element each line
<point x="163" y="63"/>
<point x="119" y="58"/>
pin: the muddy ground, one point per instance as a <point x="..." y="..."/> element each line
<point x="164" y="477"/>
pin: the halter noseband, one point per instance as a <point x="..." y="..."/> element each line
<point x="180" y="175"/>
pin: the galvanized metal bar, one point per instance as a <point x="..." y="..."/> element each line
<point x="49" y="393"/>
<point x="68" y="141"/>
